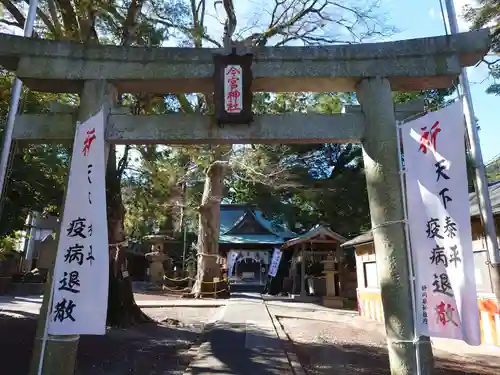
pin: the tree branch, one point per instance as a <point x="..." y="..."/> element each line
<point x="45" y="19"/>
<point x="187" y="31"/>
<point x="16" y="14"/>
<point x="123" y="163"/>
<point x="69" y="18"/>
<point x="58" y="32"/>
<point x="231" y="22"/>
<point x="184" y="103"/>
<point x="130" y="23"/>
<point x="11" y="23"/>
<point x="488" y="63"/>
<point x="311" y="22"/>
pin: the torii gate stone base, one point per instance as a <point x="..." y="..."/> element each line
<point x="371" y="70"/>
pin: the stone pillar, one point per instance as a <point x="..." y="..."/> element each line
<point x="303" y="271"/>
<point x="60" y="352"/>
<point x="331" y="299"/>
<point x="34" y="222"/>
<point x="381" y="162"/>
<point x="339" y="259"/>
<point x="191" y="273"/>
<point x="293" y="273"/>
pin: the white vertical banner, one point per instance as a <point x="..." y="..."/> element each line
<point x="230" y="263"/>
<point x="275" y="262"/>
<point x="439" y="223"/>
<point x="80" y="286"/>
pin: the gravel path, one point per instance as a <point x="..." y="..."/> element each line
<point x="344" y="343"/>
<point x="149" y="349"/>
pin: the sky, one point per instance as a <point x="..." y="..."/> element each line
<point x="413" y="19"/>
<point x="422" y="18"/>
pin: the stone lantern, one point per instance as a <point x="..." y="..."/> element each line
<point x="331" y="299"/>
<point x="191" y="270"/>
<point x="157" y="256"/>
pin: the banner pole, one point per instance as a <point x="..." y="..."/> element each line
<point x="480" y="181"/>
<point x="52" y="274"/>
<point x="14" y="104"/>
<point x="46" y="329"/>
<point x="416" y="338"/>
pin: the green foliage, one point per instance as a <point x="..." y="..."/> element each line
<point x="37" y="177"/>
<point x="432" y="98"/>
<point x="305" y="185"/>
<point x="162" y="192"/>
<point x="7" y="246"/>
<point x="487" y="14"/>
<point x="147" y="23"/>
<point x="493" y="170"/>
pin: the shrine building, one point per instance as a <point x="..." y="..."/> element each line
<point x="313" y="266"/>
<point x="245" y="231"/>
<point x="368" y="291"/>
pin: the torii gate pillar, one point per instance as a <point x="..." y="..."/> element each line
<point x="60" y="351"/>
<point x="381" y="159"/>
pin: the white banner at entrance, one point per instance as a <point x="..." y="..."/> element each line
<point x="439" y="223"/>
<point x="230" y="263"/>
<point x="275" y="263"/>
<point x="81" y="272"/>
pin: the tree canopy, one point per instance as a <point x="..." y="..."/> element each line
<point x="36" y="174"/>
<point x="162" y="188"/>
<point x="487" y="14"/>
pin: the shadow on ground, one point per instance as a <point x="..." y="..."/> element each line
<point x="243" y="349"/>
<point x="336" y="356"/>
<point x="149" y="349"/>
<point x="362" y="359"/>
<point x="155" y="349"/>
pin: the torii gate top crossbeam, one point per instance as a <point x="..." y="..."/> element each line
<point x="416" y="64"/>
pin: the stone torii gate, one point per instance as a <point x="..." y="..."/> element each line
<point x="373" y="71"/>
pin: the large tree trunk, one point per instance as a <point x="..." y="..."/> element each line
<point x="208" y="229"/>
<point x="122" y="309"/>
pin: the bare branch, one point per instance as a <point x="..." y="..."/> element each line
<point x="18" y="16"/>
<point x="184" y="104"/>
<point x="57" y="31"/>
<point x="11" y="23"/>
<point x="69" y="18"/>
<point x="130" y="24"/>
<point x="488" y="63"/>
<point x="200" y="7"/>
<point x="185" y="30"/>
<point x="16" y="13"/>
<point x="319" y="22"/>
<point x="231" y="22"/>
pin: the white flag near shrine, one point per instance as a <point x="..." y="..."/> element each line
<point x="439" y="223"/>
<point x="233" y="255"/>
<point x="80" y="286"/>
<point x="275" y="262"/>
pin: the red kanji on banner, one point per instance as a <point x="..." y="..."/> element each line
<point x="445" y="314"/>
<point x="88" y="141"/>
<point x="425" y="142"/>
